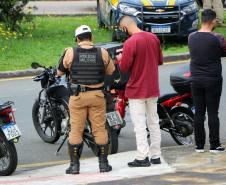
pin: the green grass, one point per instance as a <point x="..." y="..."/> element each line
<point x="52" y="35"/>
<point x="175" y="47"/>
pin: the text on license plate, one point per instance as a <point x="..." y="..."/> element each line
<point x="114" y="118"/>
<point x="11" y="131"/>
<point x="160" y="29"/>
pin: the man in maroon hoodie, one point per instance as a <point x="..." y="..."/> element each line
<point x="140" y="57"/>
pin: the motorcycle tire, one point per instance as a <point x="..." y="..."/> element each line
<point x="8" y="156"/>
<point x="113" y="141"/>
<point x="54" y="125"/>
<point x="118" y="131"/>
<point x="188" y="116"/>
<point x="94" y="148"/>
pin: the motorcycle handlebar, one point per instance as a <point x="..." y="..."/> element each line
<point x="50" y="71"/>
<point x="6" y="104"/>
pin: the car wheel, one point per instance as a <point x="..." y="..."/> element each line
<point x="99" y="17"/>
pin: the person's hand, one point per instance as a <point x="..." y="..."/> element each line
<point x="118" y="57"/>
<point x="57" y="80"/>
<point x="119" y="51"/>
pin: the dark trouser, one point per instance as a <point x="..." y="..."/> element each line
<point x="206" y="95"/>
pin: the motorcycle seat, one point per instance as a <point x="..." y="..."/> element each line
<point x="165" y="97"/>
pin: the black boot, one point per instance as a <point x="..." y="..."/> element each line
<point x="75" y="152"/>
<point x="103" y="161"/>
<point x="140" y="163"/>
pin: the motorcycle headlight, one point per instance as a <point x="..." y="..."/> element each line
<point x="190" y="8"/>
<point x="127" y="9"/>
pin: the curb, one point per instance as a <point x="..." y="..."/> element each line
<point x="66" y="15"/>
<point x="33" y="72"/>
<point x="19" y="73"/>
<point x="175" y="58"/>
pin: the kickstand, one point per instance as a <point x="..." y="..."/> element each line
<point x="66" y="136"/>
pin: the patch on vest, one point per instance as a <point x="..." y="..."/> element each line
<point x="87" y="58"/>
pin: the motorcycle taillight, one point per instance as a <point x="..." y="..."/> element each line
<point x="7" y="115"/>
<point x="188" y="74"/>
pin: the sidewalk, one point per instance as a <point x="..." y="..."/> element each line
<point x="180" y="165"/>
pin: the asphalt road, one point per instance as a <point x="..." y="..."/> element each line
<point x="33" y="152"/>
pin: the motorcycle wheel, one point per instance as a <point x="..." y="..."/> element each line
<point x="118" y="131"/>
<point x="50" y="130"/>
<point x="8" y="156"/>
<point x="181" y="114"/>
<point x="94" y="148"/>
<point x="113" y="141"/>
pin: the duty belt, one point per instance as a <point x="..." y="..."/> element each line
<point x="76" y="89"/>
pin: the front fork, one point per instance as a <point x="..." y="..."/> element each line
<point x="169" y="119"/>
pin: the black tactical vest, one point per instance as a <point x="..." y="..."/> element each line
<point x="87" y="67"/>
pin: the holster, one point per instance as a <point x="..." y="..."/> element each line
<point x="74" y="89"/>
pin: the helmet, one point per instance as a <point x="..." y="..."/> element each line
<point x="82" y="29"/>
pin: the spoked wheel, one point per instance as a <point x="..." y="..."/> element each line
<point x="8" y="156"/>
<point x="184" y="120"/>
<point x="47" y="127"/>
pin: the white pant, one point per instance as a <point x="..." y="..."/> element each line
<point x="217" y="7"/>
<point x="144" y="114"/>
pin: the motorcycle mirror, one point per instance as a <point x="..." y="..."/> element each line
<point x="35" y="65"/>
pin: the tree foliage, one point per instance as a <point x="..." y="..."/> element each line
<point x="12" y="13"/>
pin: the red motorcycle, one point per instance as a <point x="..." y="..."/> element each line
<point x="174" y="110"/>
<point x="9" y="134"/>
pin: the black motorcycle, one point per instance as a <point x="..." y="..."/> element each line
<point x="9" y="134"/>
<point x="51" y="116"/>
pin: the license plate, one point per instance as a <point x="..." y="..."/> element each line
<point x="160" y="29"/>
<point x="114" y="118"/>
<point x="11" y="131"/>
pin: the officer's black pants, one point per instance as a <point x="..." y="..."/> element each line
<point x="206" y="96"/>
